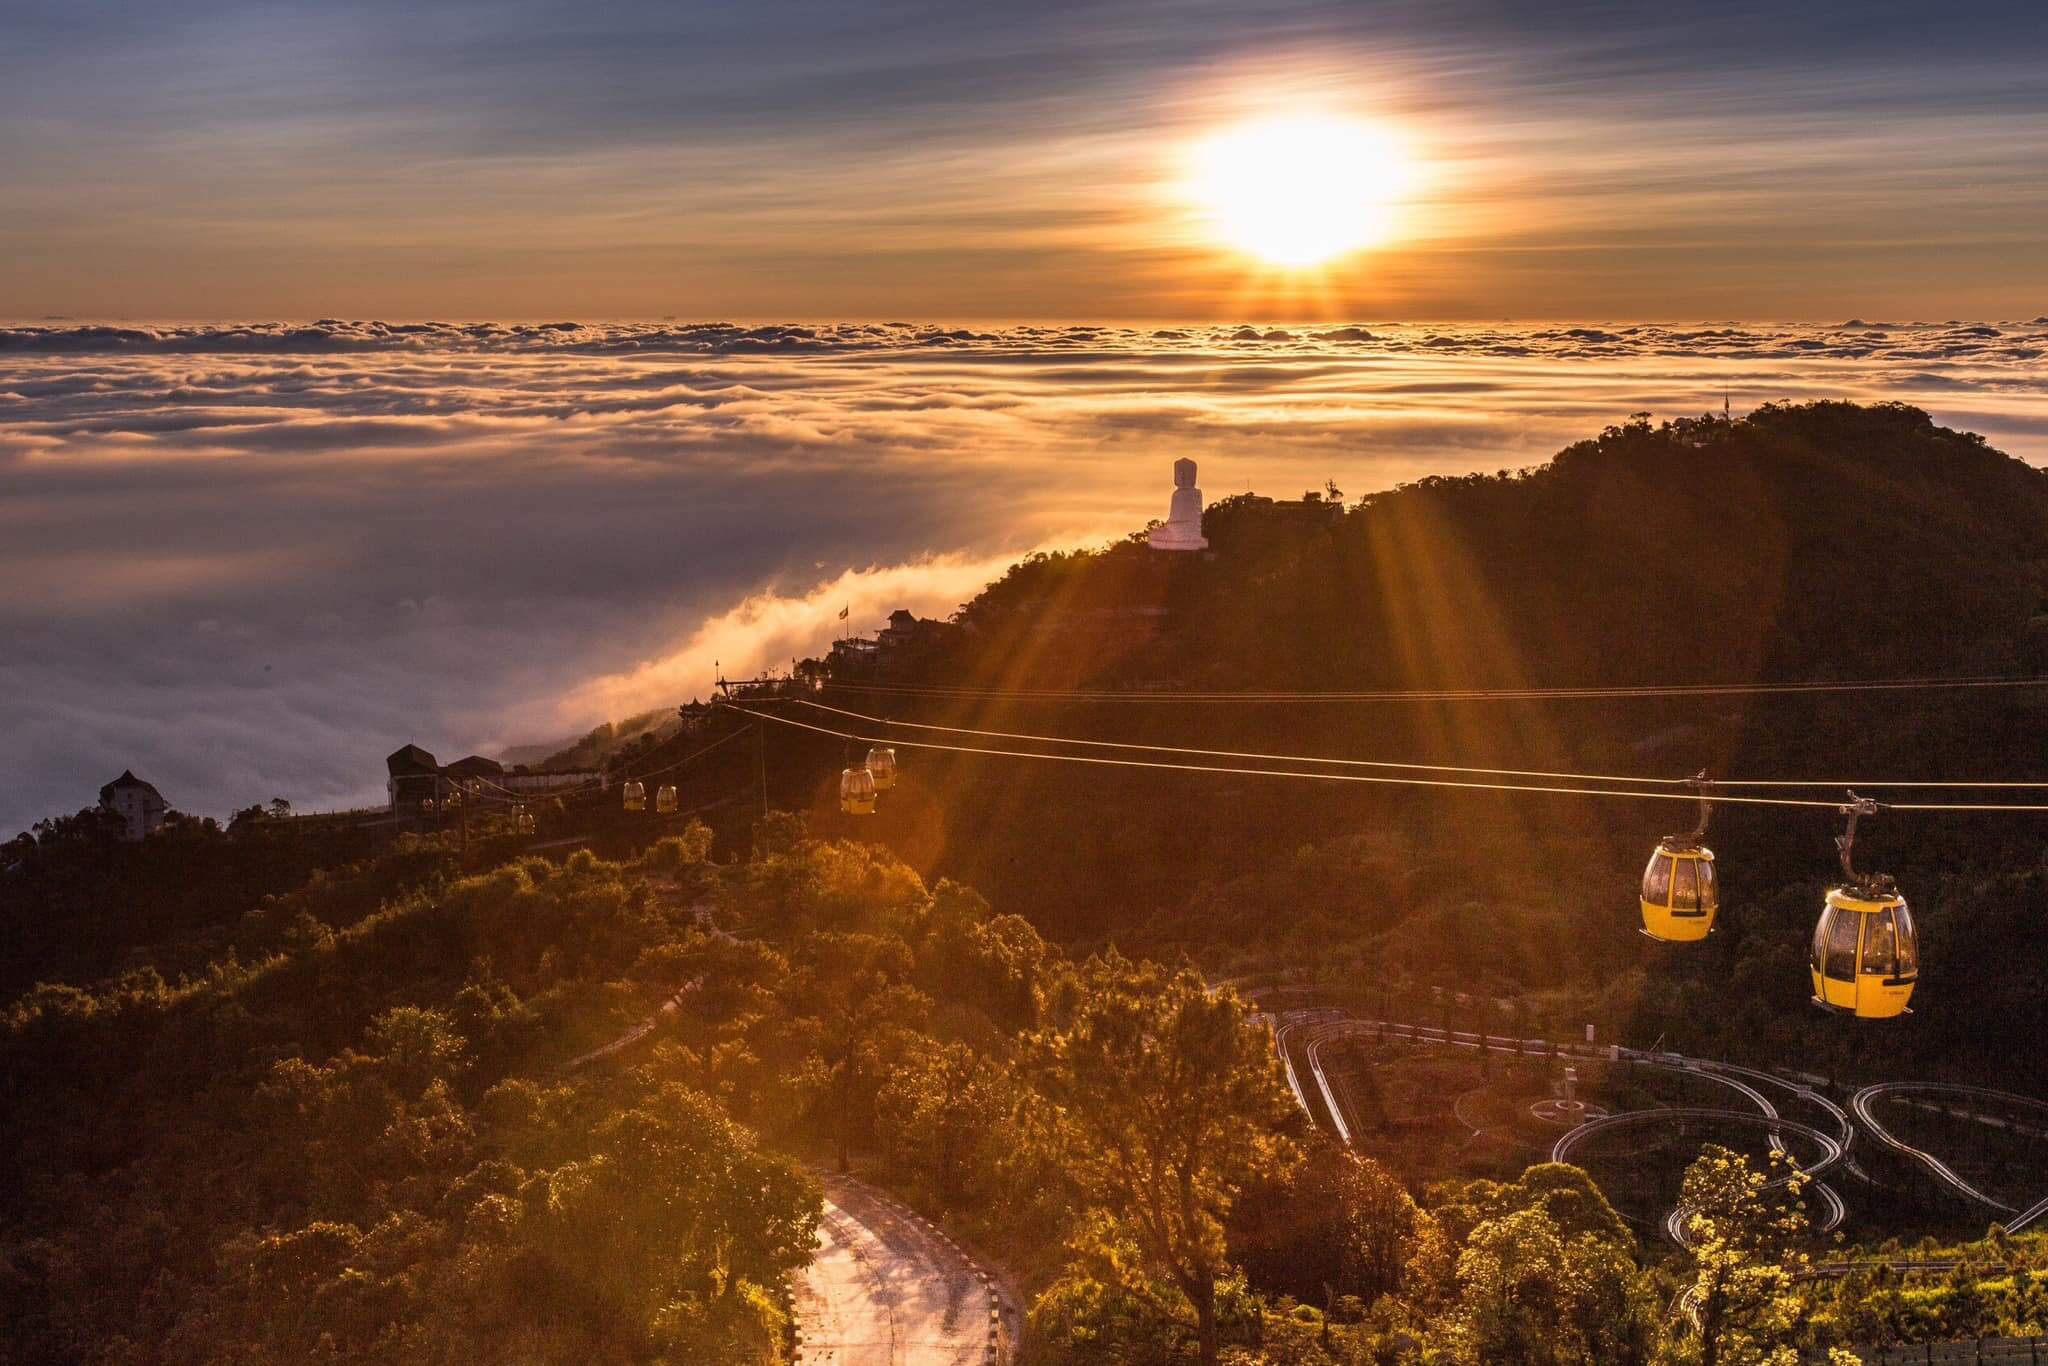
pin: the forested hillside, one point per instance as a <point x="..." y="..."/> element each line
<point x="381" y="1135"/>
<point x="76" y="898"/>
<point x="1824" y="541"/>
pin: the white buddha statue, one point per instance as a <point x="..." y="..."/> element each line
<point x="1183" y="527"/>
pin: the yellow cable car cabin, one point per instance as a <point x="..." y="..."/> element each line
<point x="635" y="796"/>
<point x="666" y="800"/>
<point x="1866" y="956"/>
<point x="857" y="792"/>
<point x="1680" y="893"/>
<point x="882" y="763"/>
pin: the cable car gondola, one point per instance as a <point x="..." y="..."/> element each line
<point x="1680" y="889"/>
<point x="856" y="792"/>
<point x="635" y="794"/>
<point x="665" y="799"/>
<point x="1866" y="956"/>
<point x="882" y="763"/>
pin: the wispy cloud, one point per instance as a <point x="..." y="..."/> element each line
<point x="769" y="630"/>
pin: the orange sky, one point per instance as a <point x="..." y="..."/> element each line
<point x="228" y="160"/>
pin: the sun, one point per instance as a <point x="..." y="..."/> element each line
<point x="1299" y="190"/>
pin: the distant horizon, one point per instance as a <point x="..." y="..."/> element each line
<point x="991" y="320"/>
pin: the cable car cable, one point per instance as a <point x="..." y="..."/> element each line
<point x="1373" y="778"/>
<point x="1379" y="779"/>
<point x="1588" y="692"/>
<point x="1392" y="764"/>
<point x="1237" y="754"/>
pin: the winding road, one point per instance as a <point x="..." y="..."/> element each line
<point x="1311" y="1030"/>
<point x="888" y="1288"/>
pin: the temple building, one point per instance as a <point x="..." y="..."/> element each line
<point x="898" y="645"/>
<point x="1182" y="529"/>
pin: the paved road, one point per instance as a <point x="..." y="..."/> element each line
<point x="888" y="1289"/>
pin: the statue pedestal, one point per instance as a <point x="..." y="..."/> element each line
<point x="1177" y="536"/>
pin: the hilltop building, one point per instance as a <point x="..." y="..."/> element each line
<point x="889" y="647"/>
<point x="416" y="776"/>
<point x="901" y="630"/>
<point x="854" y="652"/>
<point x="1182" y="529"/>
<point x="475" y="766"/>
<point x="139" y="805"/>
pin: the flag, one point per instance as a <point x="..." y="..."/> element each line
<point x="844" y="610"/>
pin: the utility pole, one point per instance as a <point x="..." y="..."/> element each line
<point x="761" y="761"/>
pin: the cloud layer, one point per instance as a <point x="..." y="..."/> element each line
<point x="248" y="561"/>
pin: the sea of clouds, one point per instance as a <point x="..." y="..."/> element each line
<point x="248" y="561"/>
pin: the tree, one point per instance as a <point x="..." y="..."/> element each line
<point x="966" y="952"/>
<point x="1170" y="1100"/>
<point x="864" y="1014"/>
<point x="677" y="1201"/>
<point x="1545" y="1272"/>
<point x="937" y="1112"/>
<point x="1739" y="1229"/>
<point x="1563" y="1192"/>
<point x="1103" y="1308"/>
<point x="1332" y="1225"/>
<point x="1529" y="1295"/>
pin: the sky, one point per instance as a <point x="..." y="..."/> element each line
<point x="829" y="160"/>
<point x="251" y="561"/>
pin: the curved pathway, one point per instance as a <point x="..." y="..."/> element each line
<point x="1777" y="1127"/>
<point x="888" y="1288"/>
<point x="1323" y="1026"/>
<point x="1863" y="1102"/>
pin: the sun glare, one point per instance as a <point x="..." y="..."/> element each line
<point x="1299" y="190"/>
